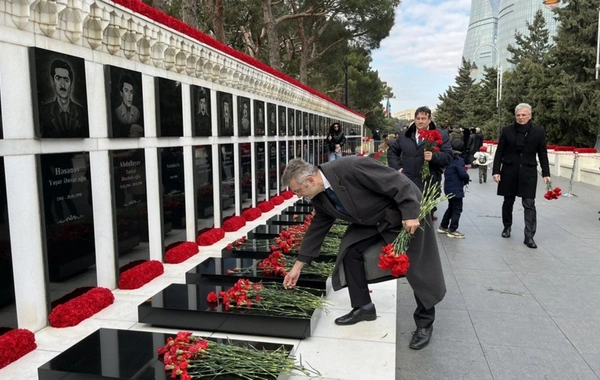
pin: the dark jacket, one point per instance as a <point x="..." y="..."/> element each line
<point x="518" y="170"/>
<point x="336" y="138"/>
<point x="404" y="153"/>
<point x="456" y="177"/>
<point x="377" y="199"/>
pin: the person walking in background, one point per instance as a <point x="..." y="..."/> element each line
<point x="377" y="201"/>
<point x="376" y="139"/>
<point x="352" y="141"/>
<point x="475" y="142"/>
<point x="482" y="159"/>
<point x="515" y="169"/>
<point x="455" y="178"/>
<point x="335" y="141"/>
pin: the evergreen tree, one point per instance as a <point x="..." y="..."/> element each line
<point x="535" y="45"/>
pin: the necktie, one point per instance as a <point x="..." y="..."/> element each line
<point x="335" y="200"/>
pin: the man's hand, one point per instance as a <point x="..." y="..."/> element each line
<point x="293" y="275"/>
<point x="338" y="147"/>
<point x="428" y="155"/>
<point x="546" y="179"/>
<point x="496" y="178"/>
<point x="400" y="170"/>
<point x="411" y="225"/>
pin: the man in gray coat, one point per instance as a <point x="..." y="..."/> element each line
<point x="378" y="201"/>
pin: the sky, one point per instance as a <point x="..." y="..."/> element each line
<point x="421" y="56"/>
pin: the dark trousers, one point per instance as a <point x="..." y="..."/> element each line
<point x="483" y="173"/>
<point x="452" y="214"/>
<point x="528" y="211"/>
<point x="423" y="317"/>
<point x="354" y="268"/>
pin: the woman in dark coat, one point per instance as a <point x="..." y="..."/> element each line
<point x="515" y="169"/>
<point x="335" y="141"/>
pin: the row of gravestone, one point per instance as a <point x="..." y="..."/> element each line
<point x="186" y="307"/>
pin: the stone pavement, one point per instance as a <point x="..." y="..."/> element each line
<point x="512" y="312"/>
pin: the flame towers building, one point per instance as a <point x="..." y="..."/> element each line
<point x="492" y="27"/>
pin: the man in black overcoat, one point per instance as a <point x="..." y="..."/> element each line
<point x="515" y="169"/>
<point x="378" y="202"/>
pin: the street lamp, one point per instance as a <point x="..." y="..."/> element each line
<point x="474" y="70"/>
<point x="552" y="4"/>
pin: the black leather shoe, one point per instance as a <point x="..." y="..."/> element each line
<point x="530" y="243"/>
<point x="421" y="338"/>
<point x="363" y="313"/>
<point x="506" y="232"/>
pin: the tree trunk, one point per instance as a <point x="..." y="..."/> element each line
<point x="217" y="19"/>
<point x="190" y="13"/>
<point x="272" y="37"/>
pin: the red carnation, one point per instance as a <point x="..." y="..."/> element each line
<point x="252" y="214"/>
<point x="288" y="194"/>
<point x="141" y="274"/>
<point x="210" y="237"/>
<point x="265" y="206"/>
<point x="15" y="344"/>
<point x="277" y="200"/>
<point x="181" y="252"/>
<point x="72" y="312"/>
<point x="234" y="223"/>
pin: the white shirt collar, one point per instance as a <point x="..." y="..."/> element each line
<point x="325" y="181"/>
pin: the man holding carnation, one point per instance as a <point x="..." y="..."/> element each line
<point x="378" y="202"/>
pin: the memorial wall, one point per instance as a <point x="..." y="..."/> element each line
<point x="120" y="135"/>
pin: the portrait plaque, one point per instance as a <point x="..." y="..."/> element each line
<point x="225" y="113"/>
<point x="244" y="117"/>
<point x="291" y="123"/>
<point x="246" y="186"/>
<point x="170" y="108"/>
<point x="259" y="118"/>
<point x="260" y="162"/>
<point x="282" y="121"/>
<point x="68" y="214"/>
<point x="125" y="103"/>
<point x="298" y="125"/>
<point x="203" y="187"/>
<point x="272" y="162"/>
<point x="282" y="161"/>
<point x="228" y="183"/>
<point x="201" y="119"/>
<point x="59" y="95"/>
<point x="271" y="119"/>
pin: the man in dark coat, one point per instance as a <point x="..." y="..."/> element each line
<point x="515" y="169"/>
<point x="378" y="202"/>
<point x="475" y="142"/>
<point x="407" y="155"/>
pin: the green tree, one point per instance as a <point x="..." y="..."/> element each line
<point x="458" y="101"/>
<point x="535" y="45"/>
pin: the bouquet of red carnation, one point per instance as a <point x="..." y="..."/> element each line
<point x="141" y="274"/>
<point x="432" y="141"/>
<point x="181" y="252"/>
<point x="552" y="193"/>
<point x="210" y="237"/>
<point x="378" y="154"/>
<point x="71" y="313"/>
<point x="393" y="256"/>
<point x="277" y="200"/>
<point x="15" y="344"/>
<point x="252" y="214"/>
<point x="234" y="223"/>
<point x="265" y="206"/>
<point x="288" y="194"/>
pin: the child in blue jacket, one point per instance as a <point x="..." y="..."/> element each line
<point x="455" y="178"/>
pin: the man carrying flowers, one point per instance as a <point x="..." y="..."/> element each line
<point x="379" y="203"/>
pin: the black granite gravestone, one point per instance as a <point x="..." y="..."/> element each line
<point x="260" y="170"/>
<point x="184" y="306"/>
<point x="259" y="118"/>
<point x="282" y="161"/>
<point x="261" y="249"/>
<point x="286" y="220"/>
<point x="272" y="164"/>
<point x="130" y="201"/>
<point x="298" y="125"/>
<point x="225" y="113"/>
<point x="173" y="192"/>
<point x="203" y="186"/>
<point x="298" y="209"/>
<point x="291" y="123"/>
<point x="244" y="117"/>
<point x="246" y="185"/>
<point x="170" y="109"/>
<point x="271" y="119"/>
<point x="125" y="102"/>
<point x="8" y="313"/>
<point x="282" y="120"/>
<point x="108" y="354"/>
<point x="227" y="176"/>
<point x="201" y="118"/>
<point x="68" y="218"/>
<point x="266" y="231"/>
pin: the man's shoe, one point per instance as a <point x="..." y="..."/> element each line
<point x="506" y="232"/>
<point x="442" y="230"/>
<point x="363" y="313"/>
<point x="530" y="243"/>
<point x="421" y="338"/>
<point x="455" y="235"/>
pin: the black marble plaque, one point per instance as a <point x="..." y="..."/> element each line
<point x="282" y="121"/>
<point x="68" y="218"/>
<point x="261" y="249"/>
<point x="272" y="164"/>
<point x="226" y="272"/>
<point x="203" y="185"/>
<point x="244" y="117"/>
<point x="291" y="150"/>
<point x="130" y="201"/>
<point x="108" y="354"/>
<point x="298" y="210"/>
<point x="170" y="109"/>
<point x="125" y="103"/>
<point x="311" y="151"/>
<point x="227" y="175"/>
<point x="225" y="113"/>
<point x="184" y="306"/>
<point x="8" y="313"/>
<point x="201" y="120"/>
<point x="286" y="220"/>
<point x="282" y="161"/>
<point x="246" y="185"/>
<point x="298" y="125"/>
<point x="271" y="119"/>
<point x="173" y="192"/>
<point x="259" y="118"/>
<point x="59" y="95"/>
<point x="266" y="231"/>
<point x="305" y="126"/>
<point x="260" y="170"/>
<point x="1" y="128"/>
<point x="291" y="123"/>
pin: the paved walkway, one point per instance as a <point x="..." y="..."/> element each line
<point x="512" y="312"/>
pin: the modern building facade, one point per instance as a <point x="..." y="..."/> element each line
<point x="492" y="27"/>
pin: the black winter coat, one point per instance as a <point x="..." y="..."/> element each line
<point x="404" y="153"/>
<point x="456" y="177"/>
<point x="338" y="138"/>
<point x="518" y="170"/>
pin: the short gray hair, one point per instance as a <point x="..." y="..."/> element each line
<point x="521" y="106"/>
<point x="298" y="170"/>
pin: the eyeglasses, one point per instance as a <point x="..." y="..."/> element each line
<point x="298" y="189"/>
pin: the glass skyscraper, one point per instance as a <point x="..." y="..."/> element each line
<point x="494" y="22"/>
